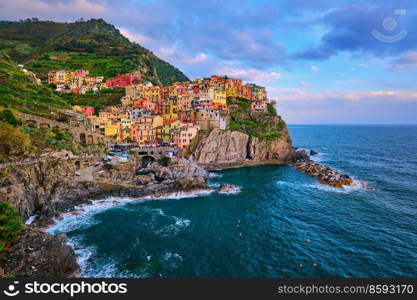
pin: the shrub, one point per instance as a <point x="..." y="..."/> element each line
<point x="6" y="115"/>
<point x="164" y="161"/>
<point x="10" y="227"/>
<point x="271" y="108"/>
<point x="12" y="141"/>
<point x="58" y="138"/>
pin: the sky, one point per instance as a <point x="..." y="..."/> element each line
<point x="322" y="61"/>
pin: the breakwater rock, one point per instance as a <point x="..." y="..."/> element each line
<point x="324" y="174"/>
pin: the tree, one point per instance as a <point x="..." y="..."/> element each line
<point x="13" y="141"/>
<point x="10" y="227"/>
<point x="8" y="116"/>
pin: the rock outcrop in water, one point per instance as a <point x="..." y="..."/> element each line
<point x="225" y="148"/>
<point x="324" y="174"/>
<point x="227" y="188"/>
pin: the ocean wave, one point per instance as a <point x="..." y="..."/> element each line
<point x="80" y="218"/>
<point x="173" y="229"/>
<point x="178" y="195"/>
<point x="357" y="186"/>
<point x="215" y="175"/>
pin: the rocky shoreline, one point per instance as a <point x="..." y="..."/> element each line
<point x="50" y="188"/>
<point x="324" y="174"/>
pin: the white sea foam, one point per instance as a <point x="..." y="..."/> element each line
<point x="357" y="186"/>
<point x="179" y="195"/>
<point x="215" y="175"/>
<point x="31" y="219"/>
<point x="176" y="227"/>
<point x="81" y="216"/>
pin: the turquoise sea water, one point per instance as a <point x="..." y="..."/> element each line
<point x="282" y="223"/>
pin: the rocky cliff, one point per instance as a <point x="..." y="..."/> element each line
<point x="40" y="255"/>
<point x="222" y="149"/>
<point x="40" y="188"/>
<point x="49" y="187"/>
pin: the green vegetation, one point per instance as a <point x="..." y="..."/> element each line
<point x="14" y="142"/>
<point x="265" y="126"/>
<point x="164" y="161"/>
<point x="18" y="90"/>
<point x="9" y="116"/>
<point x="55" y="138"/>
<point x="271" y="108"/>
<point x="10" y="227"/>
<point x="94" y="45"/>
<point x="97" y="100"/>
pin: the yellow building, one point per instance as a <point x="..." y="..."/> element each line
<point x="168" y="130"/>
<point x="170" y="108"/>
<point x="218" y="97"/>
<point x="111" y="129"/>
<point x="185" y="101"/>
<point x="231" y="92"/>
<point x="153" y="94"/>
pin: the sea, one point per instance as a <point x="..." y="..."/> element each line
<point x="278" y="223"/>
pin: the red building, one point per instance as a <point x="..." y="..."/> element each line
<point x="123" y="80"/>
<point x="87" y="111"/>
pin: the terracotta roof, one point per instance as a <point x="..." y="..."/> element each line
<point x="169" y="122"/>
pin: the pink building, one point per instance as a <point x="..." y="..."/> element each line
<point x="258" y="106"/>
<point x="87" y="111"/>
<point x="184" y="134"/>
<point x="123" y="80"/>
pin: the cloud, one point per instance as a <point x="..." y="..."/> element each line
<point x="318" y="53"/>
<point x="307" y="106"/>
<point x="246" y="74"/>
<point x="403" y="62"/>
<point x="304" y="84"/>
<point x="22" y="9"/>
<point x="349" y="29"/>
<point x="315" y="96"/>
<point x="314" y="69"/>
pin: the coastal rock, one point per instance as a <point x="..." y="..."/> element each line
<point x="144" y="179"/>
<point x="222" y="147"/>
<point x="277" y="149"/>
<point x="301" y="155"/>
<point x="227" y="188"/>
<point x="312" y="152"/>
<point x="118" y="173"/>
<point x="324" y="174"/>
<point x="43" y="187"/>
<point x="231" y="148"/>
<point x="41" y="255"/>
<point x="177" y="168"/>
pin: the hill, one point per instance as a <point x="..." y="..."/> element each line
<point x="94" y="45"/>
<point x="20" y="91"/>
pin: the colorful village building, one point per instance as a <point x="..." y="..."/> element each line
<point x="124" y="80"/>
<point x="184" y="134"/>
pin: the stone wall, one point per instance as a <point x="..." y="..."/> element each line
<point x="81" y="133"/>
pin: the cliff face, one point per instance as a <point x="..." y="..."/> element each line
<point x="43" y="187"/>
<point x="38" y="254"/>
<point x="222" y="149"/>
